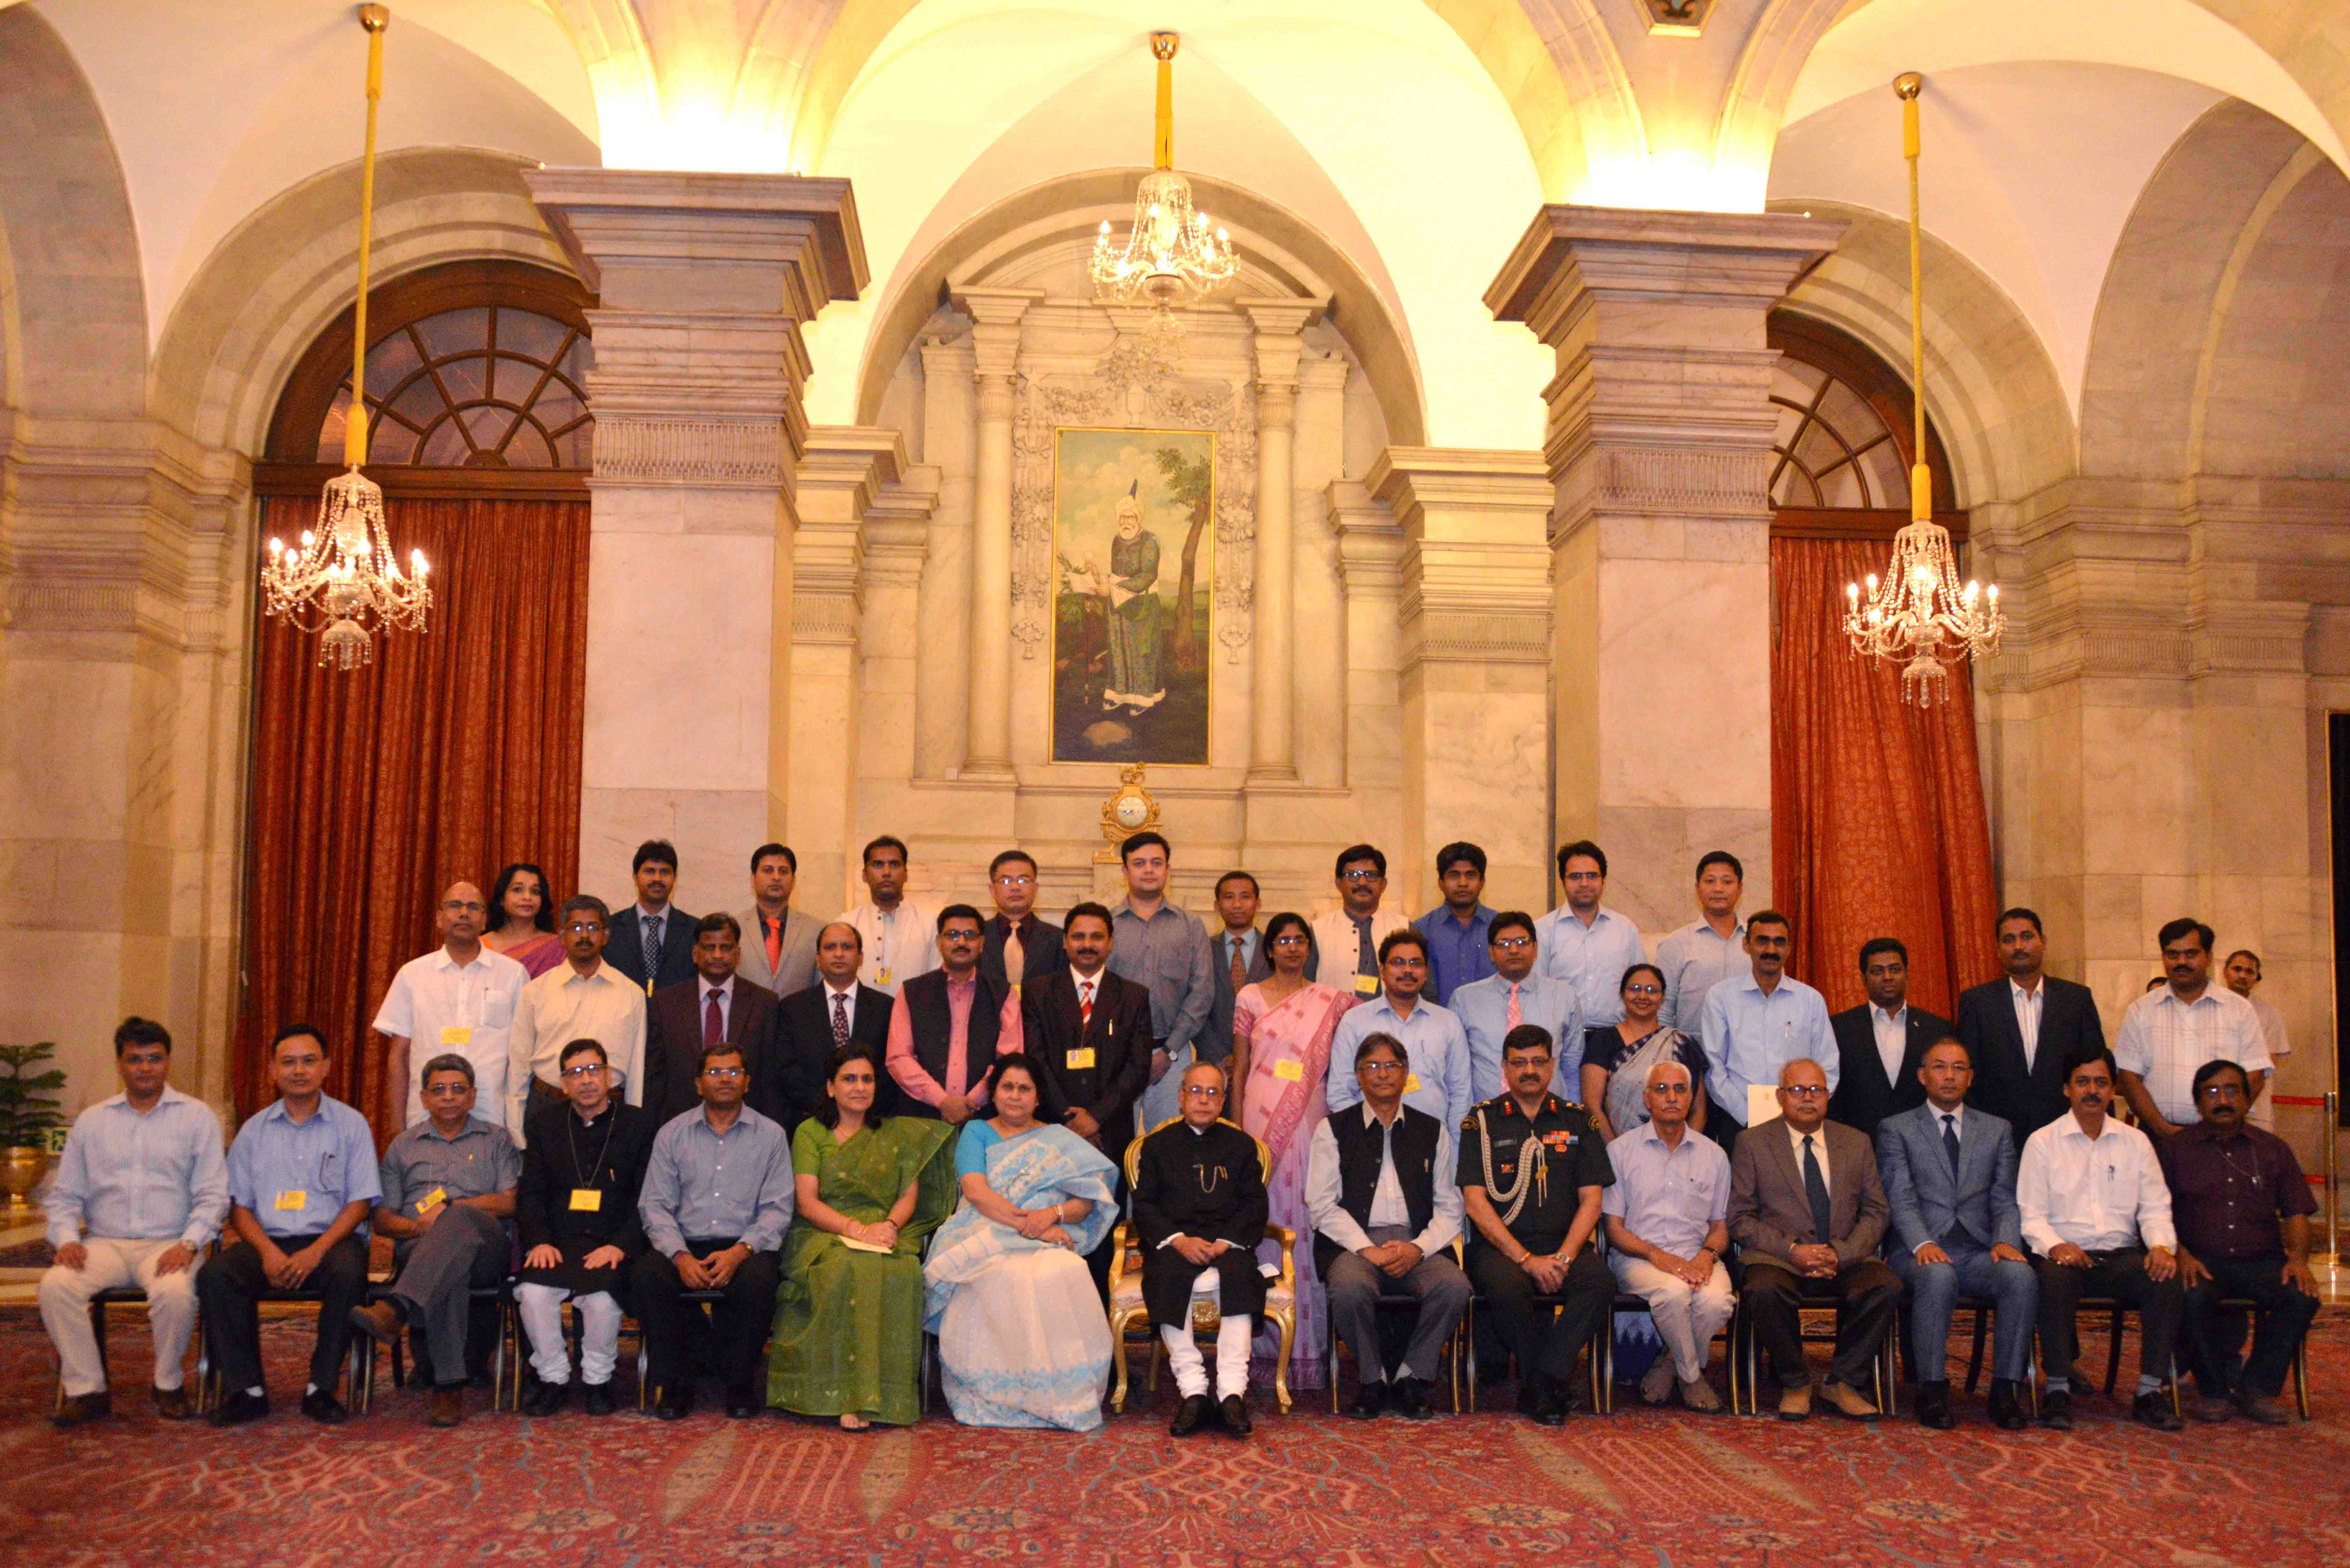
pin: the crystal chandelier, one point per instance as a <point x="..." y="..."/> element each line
<point x="1172" y="255"/>
<point x="342" y="578"/>
<point x="1919" y="610"/>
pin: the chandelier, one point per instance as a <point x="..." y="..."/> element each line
<point x="342" y="578"/>
<point x="1172" y="255"/>
<point x="1919" y="612"/>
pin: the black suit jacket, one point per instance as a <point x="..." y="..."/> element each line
<point x="804" y="1047"/>
<point x="1051" y="1028"/>
<point x="1215" y="1042"/>
<point x="2026" y="1098"/>
<point x="1041" y="956"/>
<point x="625" y="951"/>
<point x="1864" y="1096"/>
<point x="673" y="1043"/>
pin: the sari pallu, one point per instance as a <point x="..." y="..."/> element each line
<point x="1023" y="1341"/>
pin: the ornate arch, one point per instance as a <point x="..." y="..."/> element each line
<point x="1847" y="438"/>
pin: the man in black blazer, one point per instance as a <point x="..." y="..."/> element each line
<point x="1012" y="882"/>
<point x="1236" y="906"/>
<point x="809" y="1023"/>
<point x="679" y="1020"/>
<point x="1088" y="1031"/>
<point x="1880" y="1043"/>
<point x="2020" y="1070"/>
<point x="669" y="960"/>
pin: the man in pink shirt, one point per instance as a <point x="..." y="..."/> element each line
<point x="950" y="1024"/>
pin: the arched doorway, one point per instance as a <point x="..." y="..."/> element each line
<point x="458" y="749"/>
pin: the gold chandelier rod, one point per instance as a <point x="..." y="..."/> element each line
<point x="1162" y="142"/>
<point x="375" y="19"/>
<point x="1907" y="85"/>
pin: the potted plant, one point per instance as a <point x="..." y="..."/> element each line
<point x="28" y="1114"/>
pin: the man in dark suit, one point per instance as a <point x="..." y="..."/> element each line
<point x="1949" y="1181"/>
<point x="811" y="1024"/>
<point x="950" y="1025"/>
<point x="1089" y="1031"/>
<point x="1012" y="882"/>
<point x="716" y="1005"/>
<point x="1880" y="1042"/>
<point x="1807" y="1212"/>
<point x="1240" y="959"/>
<point x="2020" y="1029"/>
<point x="652" y="940"/>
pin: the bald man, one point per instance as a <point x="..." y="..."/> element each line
<point x="459" y="998"/>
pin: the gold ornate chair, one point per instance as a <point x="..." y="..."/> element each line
<point x="1128" y="1315"/>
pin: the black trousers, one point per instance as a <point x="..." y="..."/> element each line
<point x="1868" y="1301"/>
<point x="739" y="1323"/>
<point x="2121" y="1275"/>
<point x="232" y="1283"/>
<point x="1545" y="1343"/>
<point x="2280" y="1316"/>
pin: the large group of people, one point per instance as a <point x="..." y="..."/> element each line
<point x="790" y="1148"/>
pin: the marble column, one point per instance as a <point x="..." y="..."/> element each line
<point x="1272" y="752"/>
<point x="1657" y="445"/>
<point x="704" y="281"/>
<point x="996" y="349"/>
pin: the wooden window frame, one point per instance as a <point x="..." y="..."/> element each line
<point x="1837" y="353"/>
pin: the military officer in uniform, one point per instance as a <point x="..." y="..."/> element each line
<point x="1532" y="1168"/>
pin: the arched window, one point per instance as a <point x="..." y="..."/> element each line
<point x="1841" y="453"/>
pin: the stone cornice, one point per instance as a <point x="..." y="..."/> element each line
<point x="624" y="217"/>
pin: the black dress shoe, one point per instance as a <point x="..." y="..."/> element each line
<point x="171" y="1404"/>
<point x="1191" y="1418"/>
<point x="1934" y="1407"/>
<point x="598" y="1401"/>
<point x="1534" y="1392"/>
<point x="674" y="1407"/>
<point x="1410" y="1399"/>
<point x="741" y="1404"/>
<point x="2007" y="1412"/>
<point x="547" y="1398"/>
<point x="1369" y="1400"/>
<point x="2258" y="1409"/>
<point x="240" y="1407"/>
<point x="1232" y="1414"/>
<point x="80" y="1409"/>
<point x="324" y="1408"/>
<point x="2154" y="1410"/>
<point x="2056" y="1409"/>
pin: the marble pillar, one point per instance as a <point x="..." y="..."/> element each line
<point x="1272" y="752"/>
<point x="1658" y="442"/>
<point x="996" y="349"/>
<point x="703" y="283"/>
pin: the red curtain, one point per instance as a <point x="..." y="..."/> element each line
<point x="1878" y="824"/>
<point x="454" y="753"/>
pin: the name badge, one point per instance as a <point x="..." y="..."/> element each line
<point x="1289" y="1072"/>
<point x="456" y="1034"/>
<point x="1411" y="1083"/>
<point x="1367" y="985"/>
<point x="1078" y="1061"/>
<point x="431" y="1200"/>
<point x="586" y="1200"/>
<point x="294" y="1198"/>
<point x="883" y="977"/>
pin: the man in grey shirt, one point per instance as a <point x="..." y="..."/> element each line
<point x="1157" y="945"/>
<point x="716" y="1199"/>
<point x="1710" y="949"/>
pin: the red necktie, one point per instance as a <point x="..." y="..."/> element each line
<point x="1085" y="1003"/>
<point x="774" y="942"/>
<point x="713" y="1022"/>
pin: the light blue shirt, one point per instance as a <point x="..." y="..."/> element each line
<point x="1670" y="1198"/>
<point x="133" y="1176"/>
<point x="1750" y="1036"/>
<point x="1435" y="1050"/>
<point x="320" y="1166"/>
<point x="1592" y="959"/>
<point x="1483" y="1009"/>
<point x="702" y="1184"/>
<point x="1695" y="960"/>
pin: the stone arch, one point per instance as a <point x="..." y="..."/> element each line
<point x="2272" y="385"/>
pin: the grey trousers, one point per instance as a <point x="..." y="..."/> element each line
<point x="1355" y="1287"/>
<point x="465" y="1248"/>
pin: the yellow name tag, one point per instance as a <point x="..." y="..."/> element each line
<point x="1079" y="1060"/>
<point x="456" y="1034"/>
<point x="1411" y="1083"/>
<point x="1367" y="985"/>
<point x="431" y="1200"/>
<point x="294" y="1198"/>
<point x="1290" y="1071"/>
<point x="587" y="1200"/>
<point x="884" y="976"/>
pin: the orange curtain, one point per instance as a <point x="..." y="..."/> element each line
<point x="454" y="753"/>
<point x="1877" y="825"/>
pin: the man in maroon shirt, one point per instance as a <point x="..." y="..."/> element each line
<point x="2242" y="1211"/>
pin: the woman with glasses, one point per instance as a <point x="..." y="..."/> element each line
<point x="869" y="1189"/>
<point x="1617" y="1057"/>
<point x="522" y="919"/>
<point x="1282" y="1027"/>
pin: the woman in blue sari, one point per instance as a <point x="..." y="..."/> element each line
<point x="1022" y="1340"/>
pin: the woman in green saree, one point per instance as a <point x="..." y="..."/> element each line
<point x="848" y="1315"/>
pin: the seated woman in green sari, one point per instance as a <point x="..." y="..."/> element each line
<point x="848" y="1314"/>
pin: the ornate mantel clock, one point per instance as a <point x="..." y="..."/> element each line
<point x="1131" y="809"/>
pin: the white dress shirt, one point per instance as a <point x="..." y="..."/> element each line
<point x="900" y="943"/>
<point x="563" y="1005"/>
<point x="2273" y="1035"/>
<point x="1330" y="1219"/>
<point x="1819" y="1137"/>
<point x="845" y="999"/>
<point x="1892" y="1038"/>
<point x="724" y="991"/>
<point x="2027" y="1019"/>
<point x="2163" y="1040"/>
<point x="2099" y="1195"/>
<point x="437" y="1005"/>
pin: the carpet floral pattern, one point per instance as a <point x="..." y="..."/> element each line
<point x="1660" y="1488"/>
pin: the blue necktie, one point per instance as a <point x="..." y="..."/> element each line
<point x="1950" y="1140"/>
<point x="1815" y="1188"/>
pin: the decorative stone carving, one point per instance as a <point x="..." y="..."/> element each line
<point x="710" y="453"/>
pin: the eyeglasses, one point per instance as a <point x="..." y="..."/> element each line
<point x="1512" y="944"/>
<point x="1204" y="1091"/>
<point x="1289" y="939"/>
<point x="459" y="1088"/>
<point x="580" y="928"/>
<point x="582" y="1070"/>
<point x="1407" y="963"/>
<point x="722" y="1072"/>
<point x="1008" y="880"/>
<point x="1362" y="876"/>
<point x="1381" y="1067"/>
<point x="1643" y="990"/>
<point x="2220" y="1092"/>
<point x="1803" y="1091"/>
<point x="464" y="907"/>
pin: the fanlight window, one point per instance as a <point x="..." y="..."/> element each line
<point x="1832" y="449"/>
<point x="488" y="387"/>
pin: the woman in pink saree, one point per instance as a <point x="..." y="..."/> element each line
<point x="522" y="919"/>
<point x="1281" y="1054"/>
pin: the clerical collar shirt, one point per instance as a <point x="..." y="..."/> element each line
<point x="1435" y="1049"/>
<point x="1892" y="1038"/>
<point x="900" y="943"/>
<point x="1483" y="1009"/>
<point x="437" y="1005"/>
<point x="2100" y="1194"/>
<point x="2229" y="1191"/>
<point x="1591" y="958"/>
<point x="294" y="1176"/>
<point x="1457" y="954"/>
<point x="1670" y="1196"/>
<point x="706" y="1185"/>
<point x="1748" y="1036"/>
<point x="1695" y="960"/>
<point x="1323" y="1189"/>
<point x="128" y="1175"/>
<point x="1171" y="955"/>
<point x="563" y="1005"/>
<point x="2163" y="1040"/>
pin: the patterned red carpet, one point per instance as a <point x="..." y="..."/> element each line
<point x="1659" y="1490"/>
